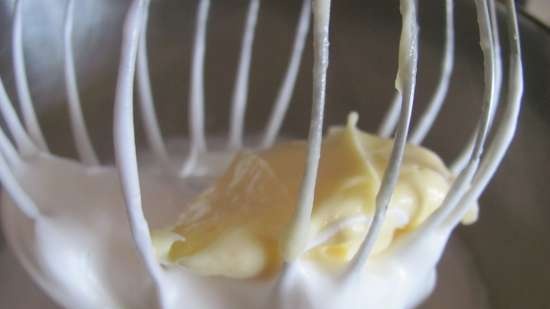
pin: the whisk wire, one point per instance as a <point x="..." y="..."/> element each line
<point x="462" y="158"/>
<point x="10" y="164"/>
<point x="299" y="226"/>
<point x="507" y="127"/>
<point x="284" y="96"/>
<point x="405" y="84"/>
<point x="463" y="182"/>
<point x="22" y="140"/>
<point x="387" y="126"/>
<point x="240" y="92"/>
<point x="148" y="113"/>
<point x="80" y="132"/>
<point x="196" y="95"/>
<point x="427" y="119"/>
<point x="21" y="81"/>
<point x="9" y="152"/>
<point x="125" y="145"/>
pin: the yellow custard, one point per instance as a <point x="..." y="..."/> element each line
<point x="237" y="227"/>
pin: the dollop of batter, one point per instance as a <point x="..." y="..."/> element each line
<point x="237" y="227"/>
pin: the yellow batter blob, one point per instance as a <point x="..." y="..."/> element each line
<point x="236" y="228"/>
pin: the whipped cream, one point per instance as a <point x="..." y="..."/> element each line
<point x="83" y="255"/>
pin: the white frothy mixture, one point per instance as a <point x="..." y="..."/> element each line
<point x="84" y="257"/>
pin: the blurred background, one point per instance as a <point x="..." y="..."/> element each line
<point x="500" y="262"/>
<point x="538" y="8"/>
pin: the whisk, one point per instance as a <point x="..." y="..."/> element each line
<point x="474" y="166"/>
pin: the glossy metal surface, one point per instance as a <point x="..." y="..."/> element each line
<point x="501" y="262"/>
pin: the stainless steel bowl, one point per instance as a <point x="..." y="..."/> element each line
<point x="500" y="262"/>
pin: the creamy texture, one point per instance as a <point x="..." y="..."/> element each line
<point x="237" y="227"/>
<point x="83" y="255"/>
